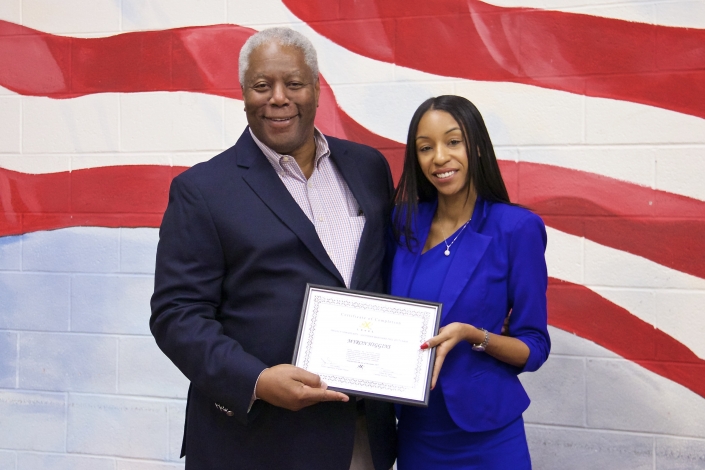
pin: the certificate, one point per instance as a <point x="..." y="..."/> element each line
<point x="368" y="344"/>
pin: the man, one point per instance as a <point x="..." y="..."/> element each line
<point x="242" y="235"/>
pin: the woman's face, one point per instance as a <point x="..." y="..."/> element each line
<point x="441" y="152"/>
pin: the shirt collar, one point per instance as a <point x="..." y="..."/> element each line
<point x="322" y="150"/>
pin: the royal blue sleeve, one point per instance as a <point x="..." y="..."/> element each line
<point x="528" y="280"/>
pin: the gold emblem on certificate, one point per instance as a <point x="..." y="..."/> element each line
<point x="368" y="344"/>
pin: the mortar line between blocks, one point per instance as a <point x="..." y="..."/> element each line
<point x="117" y="365"/>
<point x="157" y="399"/>
<point x="584" y="114"/>
<point x="70" y="312"/>
<point x="21" y="119"/>
<point x="17" y="358"/>
<point x="582" y="260"/>
<point x="83" y="333"/>
<point x="623" y="432"/>
<point x="585" y="385"/>
<point x="66" y="422"/>
<point x="119" y="254"/>
<point x="654" y="170"/>
<point x="119" y="120"/>
<point x="167" y="455"/>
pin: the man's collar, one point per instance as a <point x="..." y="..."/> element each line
<point x="322" y="148"/>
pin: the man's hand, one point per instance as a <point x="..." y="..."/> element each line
<point x="293" y="388"/>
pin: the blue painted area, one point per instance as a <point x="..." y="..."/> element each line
<point x="77" y="249"/>
<point x="111" y="303"/>
<point x="10" y="253"/>
<point x="33" y="421"/>
<point x="68" y="362"/>
<point x="34" y="301"/>
<point x="8" y="360"/>
<point x="138" y="249"/>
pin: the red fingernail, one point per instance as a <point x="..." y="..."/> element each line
<point x="424" y="346"/>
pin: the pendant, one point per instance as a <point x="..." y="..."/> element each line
<point x="447" y="252"/>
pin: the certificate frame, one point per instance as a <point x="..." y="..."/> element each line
<point x="376" y="328"/>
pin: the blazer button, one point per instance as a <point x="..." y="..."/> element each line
<point x="224" y="409"/>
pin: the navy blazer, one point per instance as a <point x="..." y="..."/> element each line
<point x="498" y="267"/>
<point x="234" y="256"/>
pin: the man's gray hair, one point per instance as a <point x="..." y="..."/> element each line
<point x="283" y="36"/>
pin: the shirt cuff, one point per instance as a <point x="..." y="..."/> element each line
<point x="254" y="392"/>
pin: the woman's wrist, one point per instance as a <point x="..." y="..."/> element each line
<point x="474" y="335"/>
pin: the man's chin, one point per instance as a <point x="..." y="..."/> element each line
<point x="283" y="143"/>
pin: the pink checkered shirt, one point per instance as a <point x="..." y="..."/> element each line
<point x="326" y="200"/>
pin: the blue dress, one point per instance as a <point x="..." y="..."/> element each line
<point x="428" y="437"/>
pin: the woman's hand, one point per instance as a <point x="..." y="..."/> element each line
<point x="447" y="338"/>
<point x="505" y="348"/>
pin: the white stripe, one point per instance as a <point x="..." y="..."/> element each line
<point x="101" y="18"/>
<point x="660" y="296"/>
<point x="95" y="18"/>
<point x="107" y="129"/>
<point x="587" y="386"/>
<point x="683" y="14"/>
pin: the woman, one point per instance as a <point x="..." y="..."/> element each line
<point x="461" y="242"/>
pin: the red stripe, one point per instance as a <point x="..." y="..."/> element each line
<point x="577" y="309"/>
<point x="650" y="64"/>
<point x="120" y="196"/>
<point x="347" y="128"/>
<point x="663" y="227"/>
<point x="192" y="59"/>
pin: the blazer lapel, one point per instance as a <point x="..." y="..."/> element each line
<point x="465" y="260"/>
<point x="469" y="251"/>
<point x="351" y="174"/>
<point x="265" y="182"/>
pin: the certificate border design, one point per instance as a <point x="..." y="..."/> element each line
<point x="353" y="382"/>
<point x="318" y="301"/>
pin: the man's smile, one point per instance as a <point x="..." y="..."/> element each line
<point x="281" y="119"/>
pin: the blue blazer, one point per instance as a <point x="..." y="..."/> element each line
<point x="234" y="256"/>
<point x="498" y="267"/>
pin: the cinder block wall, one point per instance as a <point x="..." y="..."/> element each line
<point x="82" y="383"/>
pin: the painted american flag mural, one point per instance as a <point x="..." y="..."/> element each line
<point x="596" y="109"/>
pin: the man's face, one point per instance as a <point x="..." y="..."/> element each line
<point x="281" y="97"/>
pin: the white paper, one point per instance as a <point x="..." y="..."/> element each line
<point x="367" y="344"/>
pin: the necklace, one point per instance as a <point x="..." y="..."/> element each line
<point x="445" y="240"/>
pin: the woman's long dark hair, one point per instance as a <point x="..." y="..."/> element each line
<point x="483" y="171"/>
